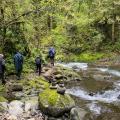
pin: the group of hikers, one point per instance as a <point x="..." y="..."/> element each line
<point x="18" y="62"/>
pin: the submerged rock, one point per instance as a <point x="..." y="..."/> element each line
<point x="118" y="97"/>
<point x="77" y="114"/>
<point x="109" y="116"/>
<point x="91" y="94"/>
<point x="54" y="104"/>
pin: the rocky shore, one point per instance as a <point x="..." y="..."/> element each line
<point x="39" y="97"/>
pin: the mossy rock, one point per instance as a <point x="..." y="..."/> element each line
<point x="2" y="99"/>
<point x="69" y="74"/>
<point x="38" y="83"/>
<point x="54" y="104"/>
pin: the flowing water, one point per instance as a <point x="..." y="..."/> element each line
<point x="98" y="92"/>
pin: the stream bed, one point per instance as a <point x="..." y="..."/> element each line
<point x="99" y="90"/>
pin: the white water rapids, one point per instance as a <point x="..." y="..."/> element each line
<point x="74" y="65"/>
<point x="108" y="96"/>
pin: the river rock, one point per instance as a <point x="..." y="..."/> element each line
<point x="31" y="105"/>
<point x="48" y="74"/>
<point x="55" y="104"/>
<point x="61" y="90"/>
<point x="102" y="77"/>
<point x="58" y="76"/>
<point x="15" y="87"/>
<point x="91" y="94"/>
<point x="31" y="119"/>
<point x="53" y="87"/>
<point x="9" y="96"/>
<point x="77" y="114"/>
<point x="16" y="107"/>
<point x="11" y="117"/>
<point x="75" y="67"/>
<point x="118" y="97"/>
<point x="3" y="106"/>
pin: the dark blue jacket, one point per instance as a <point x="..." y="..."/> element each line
<point x="18" y="61"/>
<point x="2" y="66"/>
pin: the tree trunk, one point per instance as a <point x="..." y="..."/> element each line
<point x="113" y="32"/>
<point x="3" y="28"/>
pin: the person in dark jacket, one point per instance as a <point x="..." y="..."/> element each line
<point x="18" y="62"/>
<point x="51" y="55"/>
<point x="2" y="68"/>
<point x="38" y="62"/>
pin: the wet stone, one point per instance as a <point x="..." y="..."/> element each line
<point x="61" y="90"/>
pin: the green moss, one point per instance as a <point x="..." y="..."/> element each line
<point x="43" y="81"/>
<point x="49" y="95"/>
<point x="2" y="88"/>
<point x="2" y="99"/>
<point x="36" y="83"/>
<point x="52" y="98"/>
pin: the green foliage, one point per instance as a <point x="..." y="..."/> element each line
<point x="84" y="57"/>
<point x="71" y="26"/>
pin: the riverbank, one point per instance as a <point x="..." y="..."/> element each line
<point x="28" y="98"/>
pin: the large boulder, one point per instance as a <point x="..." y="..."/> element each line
<point x="31" y="105"/>
<point x="15" y="107"/>
<point x="55" y="104"/>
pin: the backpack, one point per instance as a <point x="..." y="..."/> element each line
<point x="20" y="58"/>
<point x="38" y="61"/>
<point x="51" y="52"/>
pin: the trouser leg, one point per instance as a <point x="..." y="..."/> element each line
<point x="39" y="69"/>
<point x="52" y="61"/>
<point x="19" y="74"/>
<point x="2" y="78"/>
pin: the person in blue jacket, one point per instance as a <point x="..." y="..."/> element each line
<point x="52" y="55"/>
<point x="18" y="62"/>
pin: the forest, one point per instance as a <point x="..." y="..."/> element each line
<point x="86" y="37"/>
<point x="72" y="26"/>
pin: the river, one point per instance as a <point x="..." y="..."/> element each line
<point x="99" y="90"/>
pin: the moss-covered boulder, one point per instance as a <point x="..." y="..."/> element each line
<point x="67" y="74"/>
<point x="55" y="104"/>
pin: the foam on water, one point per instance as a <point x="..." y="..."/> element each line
<point x="108" y="96"/>
<point x="94" y="108"/>
<point x="113" y="72"/>
<point x="75" y="65"/>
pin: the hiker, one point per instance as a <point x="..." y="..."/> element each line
<point x="2" y="68"/>
<point x="52" y="55"/>
<point x="38" y="62"/>
<point x="18" y="62"/>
